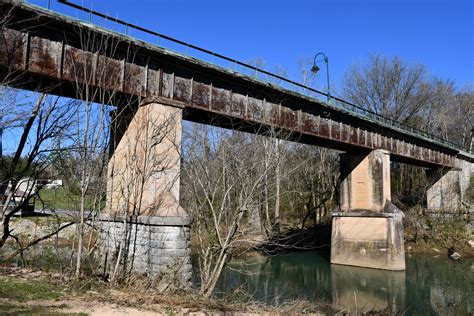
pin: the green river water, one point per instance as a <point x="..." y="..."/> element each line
<point x="429" y="286"/>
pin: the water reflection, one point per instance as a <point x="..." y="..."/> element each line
<point x="429" y="286"/>
<point x="277" y="279"/>
<point x="361" y="290"/>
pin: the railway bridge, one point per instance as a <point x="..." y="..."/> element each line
<point x="154" y="89"/>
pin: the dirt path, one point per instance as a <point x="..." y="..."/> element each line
<point x="104" y="308"/>
<point x="79" y="307"/>
<point x="96" y="308"/>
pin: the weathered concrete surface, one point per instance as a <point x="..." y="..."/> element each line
<point x="143" y="172"/>
<point x="156" y="246"/>
<point x="365" y="181"/>
<point x="146" y="230"/>
<point x="372" y="240"/>
<point x="448" y="189"/>
<point x="368" y="230"/>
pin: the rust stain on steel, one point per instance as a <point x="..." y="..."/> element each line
<point x="354" y="139"/>
<point x="378" y="141"/>
<point x="134" y="79"/>
<point x="238" y="105"/>
<point x="309" y="124"/>
<point x="395" y="145"/>
<point x="220" y="100"/>
<point x="153" y="82"/>
<point x="12" y="48"/>
<point x="201" y="95"/>
<point x="424" y="154"/>
<point x="182" y="91"/>
<point x="335" y="131"/>
<point x="109" y="73"/>
<point x="254" y="110"/>
<point x="385" y="143"/>
<point x="45" y="57"/>
<point x="346" y="130"/>
<point x="368" y="139"/>
<point x="324" y="128"/>
<point x="381" y="142"/>
<point x="79" y="66"/>
<point x="288" y="118"/>
<point x="362" y="137"/>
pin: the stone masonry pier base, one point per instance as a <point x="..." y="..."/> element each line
<point x="157" y="247"/>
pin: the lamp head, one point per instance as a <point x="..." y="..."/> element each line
<point x="315" y="68"/>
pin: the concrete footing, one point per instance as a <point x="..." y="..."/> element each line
<point x="368" y="239"/>
<point x="154" y="246"/>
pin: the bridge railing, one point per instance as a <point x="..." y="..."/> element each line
<point x="167" y="42"/>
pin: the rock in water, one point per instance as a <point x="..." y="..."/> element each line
<point x="455" y="256"/>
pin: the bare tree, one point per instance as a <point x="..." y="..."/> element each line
<point x="389" y="87"/>
<point x="315" y="182"/>
<point x="36" y="136"/>
<point x="225" y="177"/>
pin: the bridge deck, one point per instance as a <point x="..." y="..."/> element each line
<point x="40" y="49"/>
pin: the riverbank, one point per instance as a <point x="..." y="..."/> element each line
<point x="293" y="283"/>
<point x="440" y="234"/>
<point x="30" y="291"/>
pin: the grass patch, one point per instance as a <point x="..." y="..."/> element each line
<point x="22" y="291"/>
<point x="62" y="199"/>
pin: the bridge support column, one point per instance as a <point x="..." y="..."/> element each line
<point x="448" y="189"/>
<point x="145" y="230"/>
<point x="368" y="229"/>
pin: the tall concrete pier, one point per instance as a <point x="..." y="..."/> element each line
<point x="449" y="186"/>
<point x="368" y="230"/>
<point x="146" y="229"/>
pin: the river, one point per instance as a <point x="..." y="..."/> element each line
<point x="429" y="286"/>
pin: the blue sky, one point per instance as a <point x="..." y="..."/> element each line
<point x="437" y="33"/>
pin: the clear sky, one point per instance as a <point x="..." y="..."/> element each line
<point x="437" y="33"/>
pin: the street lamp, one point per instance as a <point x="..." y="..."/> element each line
<point x="315" y="69"/>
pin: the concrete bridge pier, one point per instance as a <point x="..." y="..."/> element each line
<point x="449" y="186"/>
<point x="368" y="229"/>
<point x="145" y="230"/>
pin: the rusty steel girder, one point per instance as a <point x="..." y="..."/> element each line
<point x="148" y="73"/>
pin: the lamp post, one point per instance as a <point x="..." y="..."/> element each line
<point x="315" y="69"/>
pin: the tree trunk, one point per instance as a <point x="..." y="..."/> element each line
<point x="276" y="224"/>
